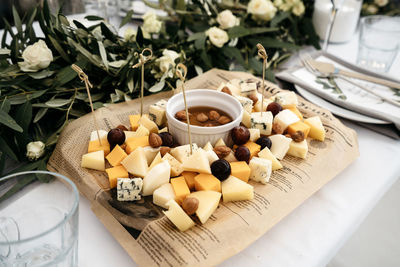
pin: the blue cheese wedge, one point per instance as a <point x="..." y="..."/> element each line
<point x="262" y="121"/>
<point x="261" y="169"/>
<point x="285" y="99"/>
<point x="157" y="112"/>
<point x="280" y="145"/>
<point x="254" y="134"/>
<point x="285" y="118"/>
<point x="298" y="149"/>
<point x="129" y="189"/>
<point x="246" y="103"/>
<point x="248" y="89"/>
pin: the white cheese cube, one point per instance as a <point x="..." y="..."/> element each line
<point x="208" y="147"/>
<point x="231" y="157"/>
<point x="212" y="156"/>
<point x="257" y="106"/>
<point x="260" y="169"/>
<point x="246" y="103"/>
<point x="208" y="203"/>
<point x="149" y="124"/>
<point x="178" y="216"/>
<point x="129" y="189"/>
<point x="266" y="154"/>
<point x="129" y="134"/>
<point x="156" y="177"/>
<point x="163" y="194"/>
<point x="197" y="162"/>
<point x="94" y="160"/>
<point x="280" y="145"/>
<point x="262" y="121"/>
<point x="236" y="84"/>
<point x="150" y="153"/>
<point x="234" y="89"/>
<point x="220" y="142"/>
<point x="234" y="189"/>
<point x="181" y="153"/>
<point x="298" y="149"/>
<point x="285" y="118"/>
<point x="157" y="112"/>
<point x="163" y="130"/>
<point x="246" y="119"/>
<point x="285" y="99"/>
<point x="254" y="134"/>
<point x="94" y="136"/>
<point x="141" y="131"/>
<point x="136" y="162"/>
<point x="247" y="89"/>
<point x="176" y="166"/>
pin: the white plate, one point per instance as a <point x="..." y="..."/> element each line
<point x="344" y="113"/>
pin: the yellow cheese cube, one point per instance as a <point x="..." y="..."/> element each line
<point x="253" y="148"/>
<point x="116" y="156"/>
<point x="134" y="121"/>
<point x="134" y="142"/>
<point x="181" y="189"/>
<point x="240" y="170"/>
<point x="296" y="111"/>
<point x="95" y="146"/>
<point x="205" y="181"/>
<point x="116" y="172"/>
<point x="189" y="178"/>
<point x="317" y="130"/>
<point x="299" y="126"/>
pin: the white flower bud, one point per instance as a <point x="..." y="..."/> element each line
<point x="217" y="36"/>
<point x="381" y="3"/>
<point x="261" y="9"/>
<point x="34" y="150"/>
<point x="227" y="20"/>
<point x="150" y="23"/>
<point x="37" y="56"/>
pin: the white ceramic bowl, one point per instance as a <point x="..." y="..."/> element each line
<point x="201" y="135"/>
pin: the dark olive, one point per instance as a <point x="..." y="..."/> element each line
<point x="274" y="107"/>
<point x="221" y="169"/>
<point x="167" y="139"/>
<point x="240" y="135"/>
<point x="115" y="137"/>
<point x="242" y="153"/>
<point x="264" y="141"/>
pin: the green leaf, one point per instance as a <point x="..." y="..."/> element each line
<point x="241" y="31"/>
<point x="103" y="54"/>
<point x="23" y="115"/>
<point x="7" y="150"/>
<point x="40" y="114"/>
<point x="269" y="42"/>
<point x="93" y="18"/>
<point x="200" y="42"/>
<point x="206" y="59"/>
<point x="196" y="36"/>
<point x="127" y="18"/>
<point x="5" y="105"/>
<point x="56" y="103"/>
<point x="19" y="99"/>
<point x="59" y="49"/>
<point x="181" y="5"/>
<point x="157" y="87"/>
<point x="17" y="20"/>
<point x="42" y="74"/>
<point x="85" y="53"/>
<point x="67" y="74"/>
<point x="279" y="18"/>
<point x="8" y="121"/>
<point x="233" y="53"/>
<point x="63" y="19"/>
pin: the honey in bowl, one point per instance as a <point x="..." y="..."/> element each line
<point x="204" y="116"/>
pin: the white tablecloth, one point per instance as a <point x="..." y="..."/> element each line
<point x="313" y="233"/>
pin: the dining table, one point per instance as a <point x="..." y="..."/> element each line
<point x="314" y="232"/>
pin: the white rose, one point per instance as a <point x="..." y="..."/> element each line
<point x="37" y="56"/>
<point x="217" y="36"/>
<point x="129" y="34"/>
<point x="166" y="63"/>
<point x="372" y="9"/>
<point x="227" y="20"/>
<point x="261" y="9"/>
<point x="150" y="23"/>
<point x="34" y="150"/>
<point x="381" y="3"/>
<point x="287" y="4"/>
<point x="298" y="8"/>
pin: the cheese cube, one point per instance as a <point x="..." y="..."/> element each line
<point x="254" y="134"/>
<point x="296" y="111"/>
<point x="150" y="153"/>
<point x="163" y="194"/>
<point x="149" y="124"/>
<point x="136" y="162"/>
<point x="103" y="135"/>
<point x="208" y="203"/>
<point x="181" y="153"/>
<point x="208" y="147"/>
<point x="317" y="130"/>
<point x="134" y="121"/>
<point x="220" y="142"/>
<point x="298" y="149"/>
<point x="156" y="177"/>
<point x="246" y="103"/>
<point x="253" y="148"/>
<point x="240" y="170"/>
<point x="280" y="145"/>
<point x="212" y="156"/>
<point x="257" y="105"/>
<point x="189" y="178"/>
<point x="93" y="160"/>
<point x="116" y="156"/>
<point x="176" y="166"/>
<point x="157" y="112"/>
<point x="260" y="169"/>
<point x="299" y="126"/>
<point x="134" y="142"/>
<point x="285" y="118"/>
<point x="266" y="154"/>
<point x="96" y="146"/>
<point x="181" y="189"/>
<point x="207" y="182"/>
<point x="234" y="86"/>
<point x="262" y="121"/>
<point x="235" y="89"/>
<point x="247" y="89"/>
<point x="197" y="162"/>
<point x="155" y="161"/>
<point x="129" y="134"/>
<point x="116" y="172"/>
<point x="178" y="216"/>
<point x="246" y="119"/>
<point x="129" y="189"/>
<point x="163" y="130"/>
<point x="234" y="189"/>
<point x="142" y="131"/>
<point x="231" y="157"/>
<point x="285" y="99"/>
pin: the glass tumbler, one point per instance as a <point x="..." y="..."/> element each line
<point x="39" y="220"/>
<point x="379" y="42"/>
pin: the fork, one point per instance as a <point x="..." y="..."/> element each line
<point x="305" y="59"/>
